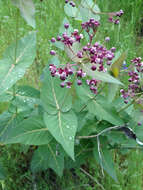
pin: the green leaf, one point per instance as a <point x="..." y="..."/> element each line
<point x="27" y="91"/>
<point x="87" y="124"/>
<point x="106" y="160"/>
<point x="103" y="112"/>
<point x="102" y="76"/>
<point x="63" y="127"/>
<point x="98" y="106"/>
<point x="31" y="131"/>
<point x="83" y="92"/>
<point x="87" y="3"/>
<point x="54" y="97"/>
<point x="137" y="116"/>
<point x="112" y="91"/>
<point x="8" y="121"/>
<point x="70" y="11"/>
<point x="5" y="97"/>
<point x="77" y="105"/>
<point x="86" y="11"/>
<point x="80" y="157"/>
<point x="24" y="103"/>
<point x="59" y="45"/>
<point x="21" y="92"/>
<point x="72" y="52"/>
<point x="27" y="10"/>
<point x="48" y="156"/>
<point x="55" y="60"/>
<point x="116" y="137"/>
<point x="13" y="68"/>
<point x="25" y="98"/>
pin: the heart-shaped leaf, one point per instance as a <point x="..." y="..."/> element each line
<point x="17" y="58"/>
<point x="30" y="131"/>
<point x="63" y="127"/>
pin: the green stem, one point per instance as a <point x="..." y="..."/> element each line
<point x="125" y="107"/>
<point x="16" y="42"/>
<point x="100" y="13"/>
<point x="126" y="147"/>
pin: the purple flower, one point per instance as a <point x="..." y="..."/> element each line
<point x="53" y="40"/>
<point x="93" y="68"/>
<point x="62" y="84"/>
<point x="52" y="52"/>
<point x="107" y="39"/>
<point x="113" y="49"/>
<point x="139" y="123"/>
<point x="66" y="25"/>
<point x="80" y="54"/>
<point x="79" y="82"/>
<point x="110" y="19"/>
<point x="117" y="21"/>
<point x="59" y="38"/>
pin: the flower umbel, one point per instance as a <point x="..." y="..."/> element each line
<point x="94" y="53"/>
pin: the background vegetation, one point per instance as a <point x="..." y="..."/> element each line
<point x="16" y="158"/>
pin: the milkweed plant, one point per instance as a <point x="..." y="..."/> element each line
<point x="88" y="94"/>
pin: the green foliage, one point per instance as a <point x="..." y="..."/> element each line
<point x="48" y="156"/>
<point x="53" y="119"/>
<point x="105" y="159"/>
<point x="99" y="106"/>
<point x="31" y="131"/>
<point x="84" y="11"/>
<point x="17" y="58"/>
<point x="65" y="125"/>
<point x="52" y="97"/>
<point x="100" y="75"/>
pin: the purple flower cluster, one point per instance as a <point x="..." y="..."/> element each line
<point x="93" y="85"/>
<point x="98" y="55"/>
<point x="94" y="53"/>
<point x="138" y="64"/>
<point x="134" y="80"/>
<point x="70" y="2"/>
<point x="91" y="24"/>
<point x="67" y="39"/>
<point x="65" y="74"/>
<point x="116" y="15"/>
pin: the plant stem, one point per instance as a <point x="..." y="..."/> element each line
<point x="100" y="13"/>
<point x="125" y="107"/>
<point x="100" y="156"/>
<point x="127" y="147"/>
<point x="16" y="41"/>
<point x="93" y="178"/>
<point x="100" y="133"/>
